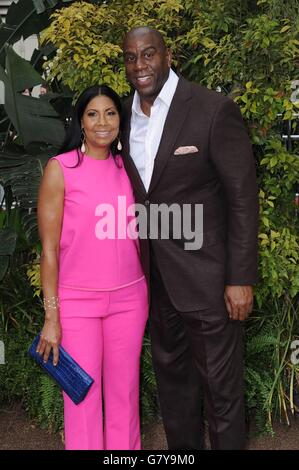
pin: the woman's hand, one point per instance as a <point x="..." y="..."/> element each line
<point x="50" y="337"/>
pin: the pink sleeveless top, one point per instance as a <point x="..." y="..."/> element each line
<point x="96" y="252"/>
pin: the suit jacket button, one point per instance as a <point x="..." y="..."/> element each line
<point x="146" y="202"/>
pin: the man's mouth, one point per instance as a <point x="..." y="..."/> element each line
<point x="143" y="80"/>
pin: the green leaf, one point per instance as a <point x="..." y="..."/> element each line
<point x="22" y="20"/>
<point x="273" y="162"/>
<point x="265" y="42"/>
<point x="263" y="236"/>
<point x="266" y="222"/>
<point x="22" y="172"/>
<point x="8" y="239"/>
<point x="39" y="6"/>
<point x="285" y="28"/>
<point x="25" y="18"/>
<point x="4" y="263"/>
<point x="22" y="74"/>
<point x="208" y="43"/>
<point x="35" y="120"/>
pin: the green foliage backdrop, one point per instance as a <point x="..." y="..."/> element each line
<point x="249" y="50"/>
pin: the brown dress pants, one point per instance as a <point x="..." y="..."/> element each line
<point x="194" y="354"/>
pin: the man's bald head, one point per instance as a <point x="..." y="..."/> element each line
<point x="141" y="31"/>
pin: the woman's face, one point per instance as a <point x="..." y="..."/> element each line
<point x="100" y="122"/>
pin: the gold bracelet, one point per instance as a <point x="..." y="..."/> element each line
<point x="51" y="303"/>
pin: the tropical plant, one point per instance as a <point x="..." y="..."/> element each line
<point x="25" y="18"/>
<point x="88" y="39"/>
<point x="35" y="133"/>
<point x="21" y="316"/>
<point x="271" y="377"/>
<point x="30" y="127"/>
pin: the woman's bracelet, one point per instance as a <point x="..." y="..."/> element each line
<point x="51" y="303"/>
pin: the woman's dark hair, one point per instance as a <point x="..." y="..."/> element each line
<point x="73" y="137"/>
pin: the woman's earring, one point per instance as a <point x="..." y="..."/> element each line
<point x="119" y="146"/>
<point x="83" y="148"/>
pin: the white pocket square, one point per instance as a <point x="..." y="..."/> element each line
<point x="185" y="150"/>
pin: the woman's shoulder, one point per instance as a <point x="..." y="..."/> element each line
<point x="67" y="158"/>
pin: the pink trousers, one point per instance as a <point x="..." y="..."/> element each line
<point x="107" y="344"/>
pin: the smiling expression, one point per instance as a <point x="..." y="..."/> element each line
<point x="100" y="122"/>
<point x="147" y="63"/>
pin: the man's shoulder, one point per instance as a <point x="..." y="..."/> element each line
<point x="203" y="93"/>
<point x="186" y="88"/>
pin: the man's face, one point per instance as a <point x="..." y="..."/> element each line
<point x="147" y="63"/>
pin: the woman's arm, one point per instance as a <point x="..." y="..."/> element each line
<point x="50" y="214"/>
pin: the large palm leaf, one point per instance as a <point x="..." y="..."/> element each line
<point x="39" y="132"/>
<point x="22" y="174"/>
<point x="34" y="120"/>
<point x="25" y="18"/>
<point x="8" y="239"/>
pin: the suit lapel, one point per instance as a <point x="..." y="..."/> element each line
<point x="176" y="116"/>
<point x="128" y="160"/>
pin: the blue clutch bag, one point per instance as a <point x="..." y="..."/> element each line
<point x="73" y="380"/>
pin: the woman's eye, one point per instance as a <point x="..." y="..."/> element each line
<point x="91" y="114"/>
<point x="111" y="113"/>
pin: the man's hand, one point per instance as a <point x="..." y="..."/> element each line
<point x="239" y="301"/>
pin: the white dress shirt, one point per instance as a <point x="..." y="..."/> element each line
<point x="146" y="132"/>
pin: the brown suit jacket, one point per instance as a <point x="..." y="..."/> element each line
<point x="221" y="176"/>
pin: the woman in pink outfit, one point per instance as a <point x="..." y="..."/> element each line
<point x="95" y="293"/>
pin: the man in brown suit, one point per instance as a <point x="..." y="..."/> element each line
<point x="185" y="144"/>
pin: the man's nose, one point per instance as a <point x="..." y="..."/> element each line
<point x="140" y="63"/>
